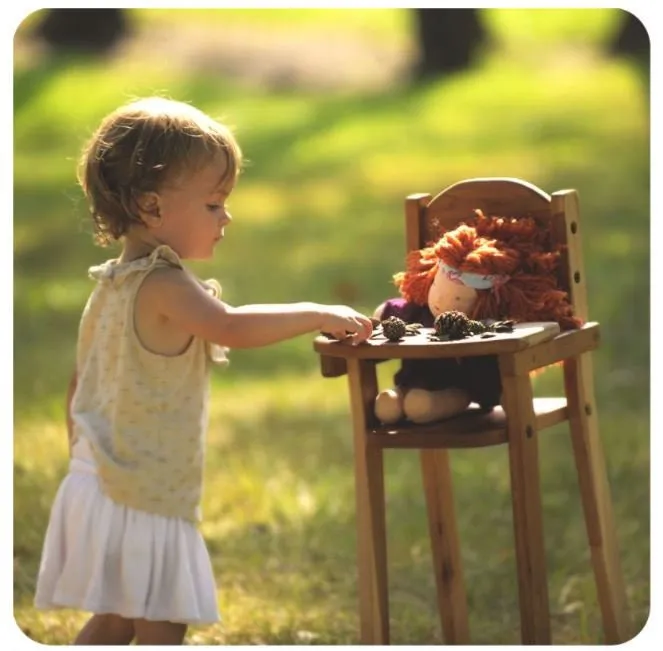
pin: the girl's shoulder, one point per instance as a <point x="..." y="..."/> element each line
<point x="116" y="271"/>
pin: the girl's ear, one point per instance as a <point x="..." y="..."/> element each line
<point x="149" y="208"/>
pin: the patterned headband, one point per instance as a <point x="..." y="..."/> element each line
<point x="476" y="281"/>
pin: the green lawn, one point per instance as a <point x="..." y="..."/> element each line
<point x="319" y="213"/>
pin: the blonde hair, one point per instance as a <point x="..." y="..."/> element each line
<point x="140" y="147"/>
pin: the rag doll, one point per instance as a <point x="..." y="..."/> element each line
<point x="492" y="268"/>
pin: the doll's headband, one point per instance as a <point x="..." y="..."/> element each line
<point x="476" y="281"/>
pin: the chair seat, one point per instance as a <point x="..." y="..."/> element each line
<point x="471" y="429"/>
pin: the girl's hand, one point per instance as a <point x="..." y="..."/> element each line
<point x="341" y="322"/>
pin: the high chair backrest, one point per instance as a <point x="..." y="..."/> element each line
<point x="427" y="217"/>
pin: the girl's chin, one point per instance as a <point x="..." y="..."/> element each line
<point x="200" y="257"/>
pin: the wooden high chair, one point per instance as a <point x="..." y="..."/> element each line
<point x="518" y="429"/>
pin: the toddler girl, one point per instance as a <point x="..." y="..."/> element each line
<point x="122" y="540"/>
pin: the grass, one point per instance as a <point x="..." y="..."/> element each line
<point x="320" y="210"/>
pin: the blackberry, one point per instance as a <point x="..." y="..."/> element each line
<point x="394" y="328"/>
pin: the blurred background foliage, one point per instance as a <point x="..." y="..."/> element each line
<point x="341" y="114"/>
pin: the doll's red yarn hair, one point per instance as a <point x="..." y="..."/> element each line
<point x="516" y="247"/>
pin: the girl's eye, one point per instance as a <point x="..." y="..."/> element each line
<point x="213" y="207"/>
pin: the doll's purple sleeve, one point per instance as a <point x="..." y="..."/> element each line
<point x="408" y="311"/>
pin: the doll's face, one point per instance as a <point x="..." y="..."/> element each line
<point x="448" y="294"/>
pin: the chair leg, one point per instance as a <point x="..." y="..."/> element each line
<point x="371" y="527"/>
<point x="596" y="501"/>
<point x="445" y="547"/>
<point x="527" y="511"/>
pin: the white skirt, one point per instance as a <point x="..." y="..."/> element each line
<point x="102" y="557"/>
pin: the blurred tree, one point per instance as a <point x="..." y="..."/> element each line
<point x="91" y="30"/>
<point x="631" y="40"/>
<point x="450" y="40"/>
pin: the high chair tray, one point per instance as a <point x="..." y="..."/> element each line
<point x="420" y="345"/>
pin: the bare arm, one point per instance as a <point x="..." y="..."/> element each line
<point x="178" y="297"/>
<point x="71" y="389"/>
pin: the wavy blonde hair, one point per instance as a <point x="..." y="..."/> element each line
<point x="141" y="146"/>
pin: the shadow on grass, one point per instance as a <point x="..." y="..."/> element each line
<point x="307" y="564"/>
<point x="303" y="564"/>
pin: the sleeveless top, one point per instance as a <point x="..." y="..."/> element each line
<point x="143" y="413"/>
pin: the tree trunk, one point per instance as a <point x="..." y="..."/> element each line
<point x="450" y="40"/>
<point x="631" y="39"/>
<point x="89" y="30"/>
<point x="632" y="42"/>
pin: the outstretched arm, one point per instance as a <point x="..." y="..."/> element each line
<point x="180" y="298"/>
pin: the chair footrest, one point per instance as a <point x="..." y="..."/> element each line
<point x="471" y="429"/>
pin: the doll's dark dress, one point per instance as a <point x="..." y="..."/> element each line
<point x="479" y="375"/>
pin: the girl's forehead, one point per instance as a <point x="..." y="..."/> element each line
<point x="211" y="178"/>
<point x="215" y="175"/>
<point x="222" y="184"/>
